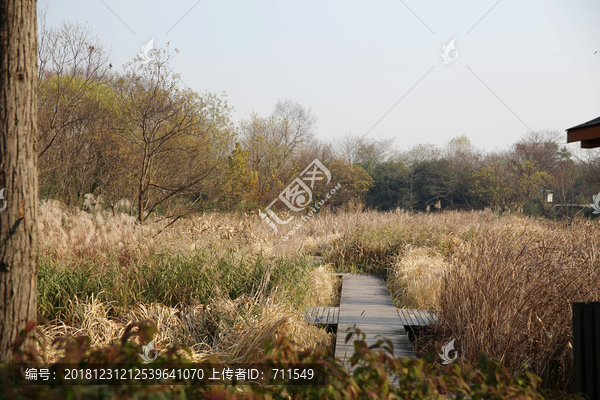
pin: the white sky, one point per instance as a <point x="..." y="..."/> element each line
<point x="351" y="62"/>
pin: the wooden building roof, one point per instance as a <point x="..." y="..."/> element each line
<point x="587" y="133"/>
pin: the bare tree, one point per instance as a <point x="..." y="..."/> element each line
<point x="589" y="162"/>
<point x="541" y="147"/>
<point x="562" y="174"/>
<point x="419" y="153"/>
<point x="323" y="151"/>
<point x="275" y="142"/>
<point x="175" y="139"/>
<point x="297" y="122"/>
<point x="18" y="170"/>
<point x="356" y="149"/>
<point x="72" y="79"/>
<point x="72" y="61"/>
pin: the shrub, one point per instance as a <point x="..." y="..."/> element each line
<point x="376" y="374"/>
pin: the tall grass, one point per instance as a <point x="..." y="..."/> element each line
<point x="370" y="242"/>
<point x="415" y="278"/>
<point x="170" y="279"/>
<point x="207" y="283"/>
<point x="503" y="285"/>
<point x="509" y="293"/>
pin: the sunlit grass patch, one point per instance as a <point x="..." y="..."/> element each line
<point x="415" y="278"/>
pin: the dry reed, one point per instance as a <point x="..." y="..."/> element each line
<point x="509" y="293"/>
<point x="415" y="279"/>
<point x="501" y="285"/>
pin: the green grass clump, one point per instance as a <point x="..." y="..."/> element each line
<point x="169" y="279"/>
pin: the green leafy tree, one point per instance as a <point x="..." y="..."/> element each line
<point x="389" y="190"/>
<point x="505" y="184"/>
<point x="239" y="186"/>
<point x="353" y="180"/>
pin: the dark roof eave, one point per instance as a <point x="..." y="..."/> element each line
<point x="593" y="122"/>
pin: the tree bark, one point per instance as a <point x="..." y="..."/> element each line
<point x="18" y="169"/>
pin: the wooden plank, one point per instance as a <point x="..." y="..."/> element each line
<point x="412" y="318"/>
<point x="308" y="316"/>
<point x="432" y="317"/>
<point x="406" y="317"/>
<point x="421" y="318"/>
<point x="401" y="315"/>
<point x="416" y="317"/>
<point x="366" y="303"/>
<point x="321" y="315"/>
<point x="427" y="317"/>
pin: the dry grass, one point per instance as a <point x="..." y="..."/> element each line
<point x="217" y="258"/>
<point x="509" y="293"/>
<point x="243" y="342"/>
<point x="415" y="279"/>
<point x="79" y="233"/>
<point x="325" y="286"/>
<point x="342" y="238"/>
<point x="239" y="328"/>
<point x="501" y="285"/>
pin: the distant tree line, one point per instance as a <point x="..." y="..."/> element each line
<point x="149" y="147"/>
<point x="538" y="175"/>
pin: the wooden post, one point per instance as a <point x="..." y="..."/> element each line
<point x="586" y="349"/>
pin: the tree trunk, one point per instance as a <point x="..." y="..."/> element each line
<point x="18" y="169"/>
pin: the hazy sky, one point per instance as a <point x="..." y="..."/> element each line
<point x="521" y="65"/>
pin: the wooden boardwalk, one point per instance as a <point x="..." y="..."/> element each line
<point x="366" y="303"/>
<point x="416" y="317"/>
<point x="331" y="316"/>
<point x="322" y="315"/>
